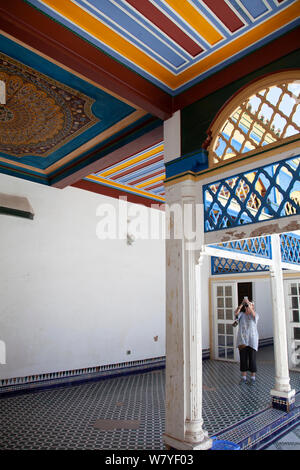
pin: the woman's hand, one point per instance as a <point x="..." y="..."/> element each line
<point x="250" y="309"/>
<point x="238" y="309"/>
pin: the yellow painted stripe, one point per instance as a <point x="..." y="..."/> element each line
<point x="130" y="162"/>
<point x="259" y="32"/>
<point x="94" y="26"/>
<point x="196" y="20"/>
<point x="154" y="180"/>
<point x="123" y="187"/>
<point x="99" y="30"/>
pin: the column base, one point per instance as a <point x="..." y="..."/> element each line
<point x="284" y="401"/>
<point x="171" y="442"/>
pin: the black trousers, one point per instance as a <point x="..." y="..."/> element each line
<point x="248" y="359"/>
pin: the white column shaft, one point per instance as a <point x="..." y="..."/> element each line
<point x="183" y="333"/>
<point x="282" y="378"/>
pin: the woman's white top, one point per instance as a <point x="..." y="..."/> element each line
<point x="248" y="334"/>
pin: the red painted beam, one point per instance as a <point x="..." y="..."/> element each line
<point x="116" y="193"/>
<point x="157" y="17"/>
<point x="35" y="29"/>
<point x="274" y="50"/>
<point x="225" y="14"/>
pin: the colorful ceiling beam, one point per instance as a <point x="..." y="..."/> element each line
<point x="39" y="33"/>
<point x="141" y="175"/>
<point x="174" y="44"/>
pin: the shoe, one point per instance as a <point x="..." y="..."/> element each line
<point x="252" y="382"/>
<point x="242" y="381"/>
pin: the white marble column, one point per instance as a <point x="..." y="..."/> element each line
<point x="183" y="328"/>
<point x="283" y="397"/>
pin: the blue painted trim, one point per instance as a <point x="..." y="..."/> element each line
<point x="194" y="162"/>
<point x="275" y="436"/>
<point x="29" y="175"/>
<point x="254" y="441"/>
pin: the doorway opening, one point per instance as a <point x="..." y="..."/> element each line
<point x="245" y="289"/>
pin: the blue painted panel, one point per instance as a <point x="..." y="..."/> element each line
<point x="140" y="30"/>
<point x="256" y="8"/>
<point x="194" y="162"/>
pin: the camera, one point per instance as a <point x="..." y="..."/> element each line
<point x="244" y="304"/>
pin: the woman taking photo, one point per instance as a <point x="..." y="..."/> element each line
<point x="247" y="339"/>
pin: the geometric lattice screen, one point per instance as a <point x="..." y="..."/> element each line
<point x="263" y="194"/>
<point x="258" y="246"/>
<point x="231" y="266"/>
<point x="290" y="248"/>
<point x="269" y="115"/>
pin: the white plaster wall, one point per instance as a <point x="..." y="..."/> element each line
<point x="172" y="137"/>
<point x="67" y="299"/>
<point x="263" y="305"/>
<point x="205" y="304"/>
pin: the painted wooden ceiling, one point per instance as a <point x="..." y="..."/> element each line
<point x="102" y="75"/>
<point x="141" y="175"/>
<point x="173" y="43"/>
<point x="52" y="118"/>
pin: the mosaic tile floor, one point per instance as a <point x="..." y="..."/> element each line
<point x="64" y="418"/>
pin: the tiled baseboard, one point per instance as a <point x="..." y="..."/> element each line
<point x="75" y="377"/>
